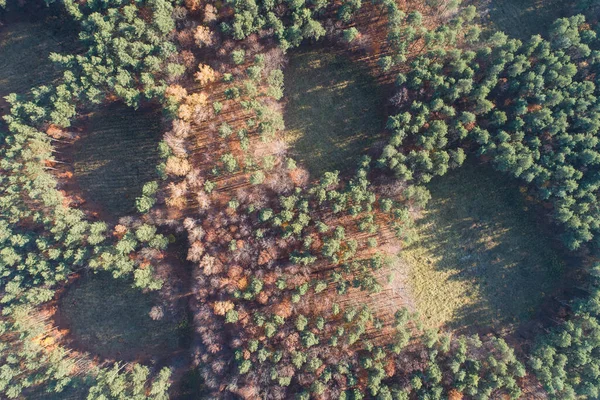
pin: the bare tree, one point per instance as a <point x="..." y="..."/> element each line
<point x="203" y="36"/>
<point x="176" y="144"/>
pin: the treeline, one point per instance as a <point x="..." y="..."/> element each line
<point x="566" y="361"/>
<point x="277" y="265"/>
<point x="271" y="269"/>
<point x="530" y="108"/>
<point x="127" y="53"/>
<point x="42" y="239"/>
<point x="290" y="22"/>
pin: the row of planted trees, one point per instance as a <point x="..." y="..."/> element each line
<point x="272" y="267"/>
<point x="529" y="108"/>
<point x="234" y="235"/>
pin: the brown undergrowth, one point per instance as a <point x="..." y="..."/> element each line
<point x="222" y="238"/>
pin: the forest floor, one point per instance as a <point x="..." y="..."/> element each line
<point x="109" y="318"/>
<point x="482" y="257"/>
<point x="523" y="18"/>
<point x="116" y="154"/>
<point x="326" y="131"/>
<point x="25" y="45"/>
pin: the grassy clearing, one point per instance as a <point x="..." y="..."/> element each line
<point x="116" y="155"/>
<point x="524" y="18"/>
<point x="24" y="51"/>
<point x="481" y="258"/>
<point x="108" y="317"/>
<point x="335" y="109"/>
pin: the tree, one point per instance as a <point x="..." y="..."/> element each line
<point x="205" y="75"/>
<point x="301" y="322"/>
<point x="350" y="34"/>
<point x="238" y="56"/>
<point x="257" y="178"/>
<point x="125" y="51"/>
<point x="134" y="383"/>
<point x="230" y="162"/>
<point x="231" y="316"/>
<point x="203" y="36"/>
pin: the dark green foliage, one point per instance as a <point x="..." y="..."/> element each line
<point x="126" y="51"/>
<point x="567" y="360"/>
<point x="528" y="107"/>
<point x="405" y="29"/>
<point x="145" y="202"/>
<point x="43" y="240"/>
<point x="125" y="383"/>
<point x="290" y="21"/>
<point x="25" y="363"/>
<point x="532" y="110"/>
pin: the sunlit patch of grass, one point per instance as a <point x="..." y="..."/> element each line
<point x="482" y="258"/>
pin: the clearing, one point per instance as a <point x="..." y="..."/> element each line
<point x="24" y="50"/>
<point x="116" y="155"/>
<point x="108" y="317"/>
<point x="334" y="111"/>
<point x="524" y="18"/>
<point x="482" y="257"/>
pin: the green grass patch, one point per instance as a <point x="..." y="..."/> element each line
<point x="524" y="18"/>
<point x="116" y="155"/>
<point x="108" y="317"/>
<point x="24" y="51"/>
<point x="482" y="258"/>
<point x="334" y="111"/>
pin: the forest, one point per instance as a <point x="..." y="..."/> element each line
<point x="299" y="199"/>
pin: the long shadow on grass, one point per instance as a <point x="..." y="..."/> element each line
<point x="116" y="156"/>
<point x="108" y="317"/>
<point x="26" y="40"/>
<point x="524" y="18"/>
<point x="478" y="229"/>
<point x="334" y="110"/>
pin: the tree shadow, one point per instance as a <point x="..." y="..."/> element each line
<point x="334" y="111"/>
<point x="481" y="232"/>
<point x="109" y="318"/>
<point x="27" y="37"/>
<point x="116" y="156"/>
<point x="524" y="18"/>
